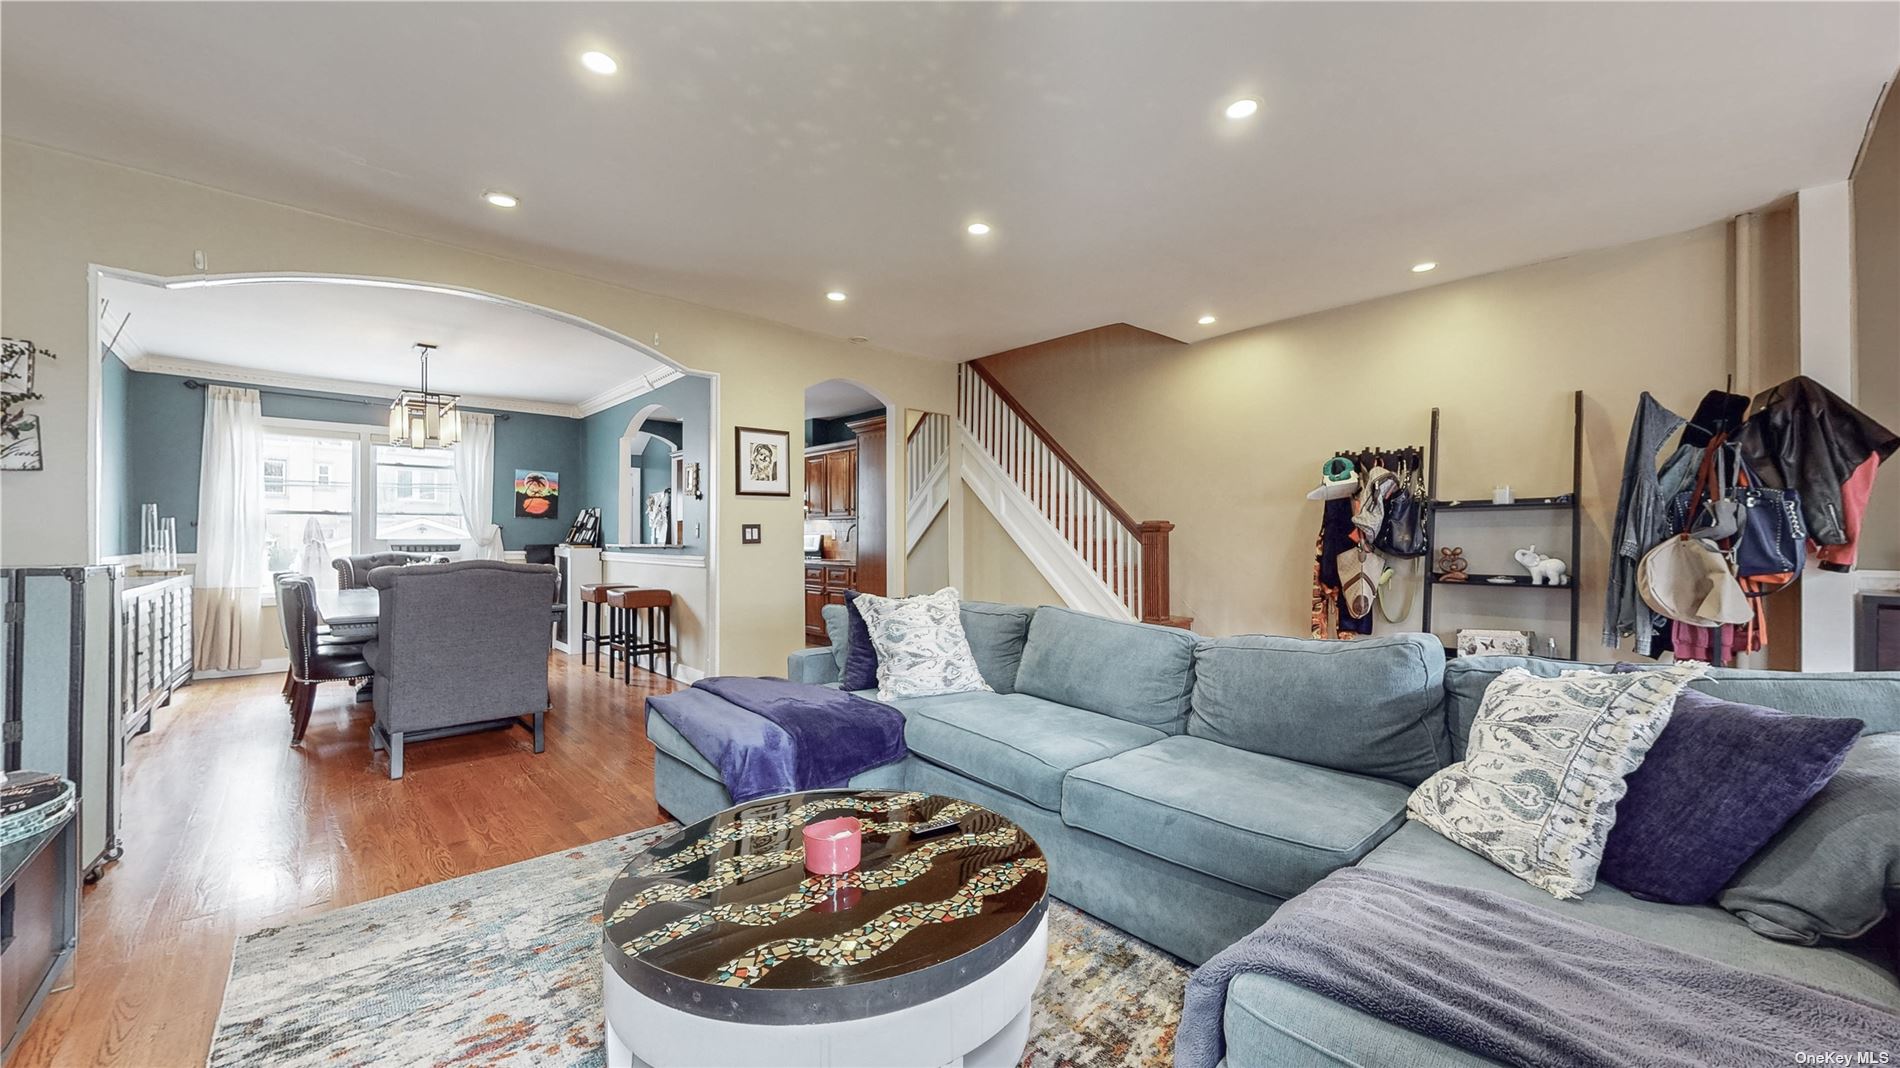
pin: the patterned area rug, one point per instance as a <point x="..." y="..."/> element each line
<point x="503" y="967"/>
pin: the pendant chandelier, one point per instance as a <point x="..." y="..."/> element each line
<point x="421" y="419"/>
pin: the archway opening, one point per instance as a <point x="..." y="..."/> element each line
<point x="851" y="502"/>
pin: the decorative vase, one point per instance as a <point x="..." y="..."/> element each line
<point x="833" y="846"/>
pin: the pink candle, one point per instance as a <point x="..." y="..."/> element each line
<point x="833" y="846"/>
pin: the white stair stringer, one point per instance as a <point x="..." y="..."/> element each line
<point x="1060" y="565"/>
<point x="931" y="497"/>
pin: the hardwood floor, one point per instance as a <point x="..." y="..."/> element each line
<point x="228" y="829"/>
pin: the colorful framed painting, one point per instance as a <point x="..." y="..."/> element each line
<point x="763" y="459"/>
<point x="537" y="494"/>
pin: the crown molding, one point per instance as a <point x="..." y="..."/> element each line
<point x="628" y="390"/>
<point x="252" y="377"/>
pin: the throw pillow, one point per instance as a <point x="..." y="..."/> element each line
<point x="921" y="647"/>
<point x="1716" y="786"/>
<point x="1536" y="793"/>
<point x="1833" y="869"/>
<point x="859" y="670"/>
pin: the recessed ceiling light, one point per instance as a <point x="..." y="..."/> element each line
<point x="1205" y="320"/>
<point x="1421" y="268"/>
<point x="857" y="339"/>
<point x="599" y="62"/>
<point x="500" y="199"/>
<point x="1243" y="108"/>
<point x="835" y="295"/>
<point x="978" y="229"/>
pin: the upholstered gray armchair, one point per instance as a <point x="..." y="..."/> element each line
<point x="459" y="647"/>
<point x="352" y="572"/>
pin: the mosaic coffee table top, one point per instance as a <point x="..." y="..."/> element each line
<point x="721" y="919"/>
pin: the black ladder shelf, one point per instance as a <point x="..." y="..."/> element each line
<point x="1569" y="502"/>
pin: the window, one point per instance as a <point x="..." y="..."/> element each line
<point x="300" y="507"/>
<point x="417" y="499"/>
<point x="274" y="477"/>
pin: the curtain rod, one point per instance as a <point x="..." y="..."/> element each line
<point x="192" y="383"/>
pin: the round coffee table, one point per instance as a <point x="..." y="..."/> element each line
<point x="722" y="950"/>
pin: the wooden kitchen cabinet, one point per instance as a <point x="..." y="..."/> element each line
<point x="841" y="483"/>
<point x="825" y="584"/>
<point x="814" y="486"/>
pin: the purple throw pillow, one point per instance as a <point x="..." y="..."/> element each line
<point x="860" y="657"/>
<point x="1721" y="780"/>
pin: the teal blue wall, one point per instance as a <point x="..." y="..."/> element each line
<point x="164" y="445"/>
<point x="835" y="430"/>
<point x="118" y="512"/>
<point x="688" y="399"/>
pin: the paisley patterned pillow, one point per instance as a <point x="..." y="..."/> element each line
<point x="921" y="647"/>
<point x="1536" y="793"/>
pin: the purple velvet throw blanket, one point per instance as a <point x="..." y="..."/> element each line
<point x="774" y="736"/>
<point x="1523" y="985"/>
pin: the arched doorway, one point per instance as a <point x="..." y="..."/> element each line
<point x="525" y="420"/>
<point x="852" y="517"/>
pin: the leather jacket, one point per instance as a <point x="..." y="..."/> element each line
<point x="1802" y="437"/>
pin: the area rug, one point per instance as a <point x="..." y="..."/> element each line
<point x="503" y="967"/>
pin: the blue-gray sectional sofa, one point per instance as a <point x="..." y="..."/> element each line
<point x="1184" y="787"/>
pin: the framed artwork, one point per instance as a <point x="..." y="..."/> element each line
<point x="20" y="444"/>
<point x="763" y="459"/>
<point x="537" y="494"/>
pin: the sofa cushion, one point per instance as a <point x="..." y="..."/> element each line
<point x="1872" y="697"/>
<point x="1014" y="742"/>
<point x="1263" y="822"/>
<point x="1718" y="783"/>
<point x="997" y="633"/>
<point x="1369" y="706"/>
<point x="1832" y="870"/>
<point x="1859" y="971"/>
<point x="1132" y="671"/>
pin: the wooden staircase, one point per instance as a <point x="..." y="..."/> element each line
<point x="1124" y="561"/>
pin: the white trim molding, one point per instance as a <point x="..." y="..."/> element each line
<point x="659" y="559"/>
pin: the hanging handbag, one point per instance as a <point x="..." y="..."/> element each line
<point x="1404" y="530"/>
<point x="1773" y="539"/>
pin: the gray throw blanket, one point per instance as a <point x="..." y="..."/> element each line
<point x="1521" y="984"/>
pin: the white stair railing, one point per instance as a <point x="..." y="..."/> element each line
<point x="1128" y="558"/>
<point x="927" y="473"/>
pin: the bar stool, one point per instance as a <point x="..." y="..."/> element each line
<point x="657" y="607"/>
<point x="595" y="593"/>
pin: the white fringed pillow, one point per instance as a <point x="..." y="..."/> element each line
<point x="921" y="647"/>
<point x="1536" y="793"/>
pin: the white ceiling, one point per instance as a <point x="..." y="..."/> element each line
<point x="358" y="335"/>
<point x="754" y="156"/>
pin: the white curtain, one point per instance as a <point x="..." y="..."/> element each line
<point x="475" y="480"/>
<point x="230" y="569"/>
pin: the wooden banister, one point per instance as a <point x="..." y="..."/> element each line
<point x="1140" y="583"/>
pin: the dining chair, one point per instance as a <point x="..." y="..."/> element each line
<point x="352" y="572"/>
<point x="459" y="647"/>
<point x="313" y="659"/>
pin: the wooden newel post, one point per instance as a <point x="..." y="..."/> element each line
<point x="1154" y="570"/>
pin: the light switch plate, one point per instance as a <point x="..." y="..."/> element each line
<point x="749" y="534"/>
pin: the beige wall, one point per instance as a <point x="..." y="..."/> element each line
<point x="994" y="569"/>
<point x="930" y="559"/>
<point x="1225" y="437"/>
<point x="63" y="212"/>
<point x="1877" y="311"/>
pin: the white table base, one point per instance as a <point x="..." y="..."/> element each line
<point x="982" y="1025"/>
